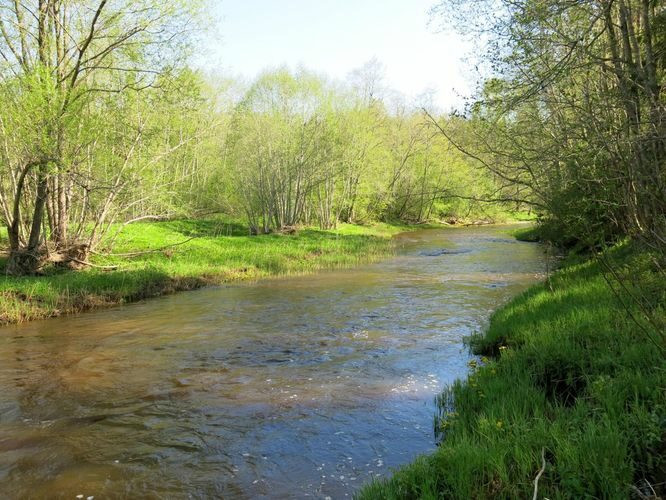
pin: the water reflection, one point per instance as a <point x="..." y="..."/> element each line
<point x="291" y="387"/>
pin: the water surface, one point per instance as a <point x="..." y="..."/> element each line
<point x="292" y="387"/>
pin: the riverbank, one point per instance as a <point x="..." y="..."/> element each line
<point x="570" y="390"/>
<point x="194" y="253"/>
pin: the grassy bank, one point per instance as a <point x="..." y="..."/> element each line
<point x="530" y="234"/>
<point x="219" y="251"/>
<point x="569" y="384"/>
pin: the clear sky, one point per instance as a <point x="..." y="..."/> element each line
<point x="337" y="36"/>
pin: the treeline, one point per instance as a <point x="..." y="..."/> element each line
<point x="102" y="124"/>
<point x="300" y="149"/>
<point x="573" y="116"/>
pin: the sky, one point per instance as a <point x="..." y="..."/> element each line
<point x="337" y="36"/>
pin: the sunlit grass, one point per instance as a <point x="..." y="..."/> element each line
<point x="218" y="250"/>
<point x="567" y="372"/>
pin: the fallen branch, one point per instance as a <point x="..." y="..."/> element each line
<point x="543" y="468"/>
<point x="638" y="492"/>
<point x="145" y="252"/>
<point x="96" y="266"/>
<point x="641" y="493"/>
<point x="131" y="221"/>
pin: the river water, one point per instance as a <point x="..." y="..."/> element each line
<point x="286" y="388"/>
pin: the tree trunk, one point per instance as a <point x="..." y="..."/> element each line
<point x="28" y="260"/>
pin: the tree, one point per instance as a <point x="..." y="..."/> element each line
<point x="62" y="60"/>
<point x="575" y="117"/>
<point x="280" y="147"/>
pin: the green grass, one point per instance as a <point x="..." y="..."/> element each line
<point x="567" y="372"/>
<point x="221" y="251"/>
<point x="521" y="216"/>
<point x="530" y="234"/>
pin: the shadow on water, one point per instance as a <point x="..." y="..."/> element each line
<point x="291" y="387"/>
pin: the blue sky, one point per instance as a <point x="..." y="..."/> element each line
<point x="335" y="37"/>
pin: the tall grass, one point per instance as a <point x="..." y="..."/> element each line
<point x="566" y="372"/>
<point x="205" y="252"/>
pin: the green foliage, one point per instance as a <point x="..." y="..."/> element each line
<point x="565" y="370"/>
<point x="87" y="115"/>
<point x="301" y="150"/>
<point x="572" y="119"/>
<point x="530" y="234"/>
<point x="221" y="251"/>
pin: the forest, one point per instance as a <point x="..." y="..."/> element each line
<point x="104" y="125"/>
<point x="127" y="172"/>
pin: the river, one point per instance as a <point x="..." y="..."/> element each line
<point x="287" y="388"/>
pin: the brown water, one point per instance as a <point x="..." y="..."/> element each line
<point x="306" y="386"/>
